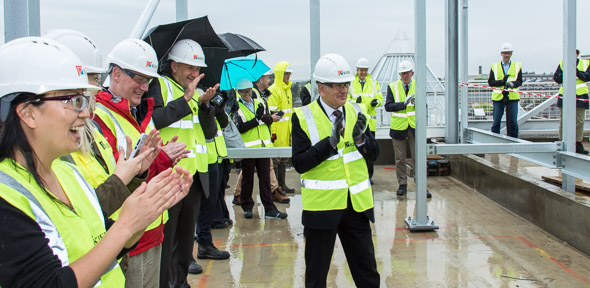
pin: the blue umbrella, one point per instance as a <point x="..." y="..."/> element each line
<point x="237" y="68"/>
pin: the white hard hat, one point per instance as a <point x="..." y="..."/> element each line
<point x="188" y="52"/>
<point x="332" y="68"/>
<point x="39" y="65"/>
<point x="268" y="73"/>
<point x="506" y="47"/>
<point x="289" y="69"/>
<point x="405" y="66"/>
<point x="136" y="55"/>
<point x="82" y="46"/>
<point x="362" y="63"/>
<point x="243" y="83"/>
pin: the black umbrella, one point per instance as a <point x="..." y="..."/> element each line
<point x="239" y="45"/>
<point x="163" y="37"/>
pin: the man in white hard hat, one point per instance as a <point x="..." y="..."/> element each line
<point x="281" y="99"/>
<point x="330" y="144"/>
<point x="305" y="94"/>
<point x="506" y="77"/>
<point x="400" y="102"/>
<point x="179" y="111"/>
<point x="365" y="90"/>
<point x="582" y="76"/>
<point x="120" y="111"/>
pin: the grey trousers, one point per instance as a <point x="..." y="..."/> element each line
<point x="399" y="148"/>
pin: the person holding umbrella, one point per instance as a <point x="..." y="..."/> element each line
<point x="252" y="119"/>
<point x="179" y="111"/>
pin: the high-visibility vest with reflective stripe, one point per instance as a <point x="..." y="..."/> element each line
<point x="188" y="129"/>
<point x="216" y="146"/>
<point x="120" y="126"/>
<point x="258" y="136"/>
<point x="400" y="120"/>
<point x="581" y="87"/>
<point x="71" y="234"/>
<point x="499" y="74"/>
<point x="369" y="91"/>
<point x="281" y="99"/>
<point x="326" y="186"/>
<point x="90" y="168"/>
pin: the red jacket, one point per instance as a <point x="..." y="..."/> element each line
<point x="162" y="162"/>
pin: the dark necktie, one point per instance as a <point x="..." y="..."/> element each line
<point x="337" y="113"/>
<point x="134" y="112"/>
<point x="406" y="88"/>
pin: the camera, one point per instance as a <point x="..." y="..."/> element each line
<point x="217" y="100"/>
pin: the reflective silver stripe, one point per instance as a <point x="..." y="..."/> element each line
<point x="352" y="156"/>
<point x="119" y="134"/>
<point x="312" y="129"/>
<point x="580" y="85"/>
<point x="182" y="124"/>
<point x="191" y="154"/>
<point x="242" y="115"/>
<point x="219" y="133"/>
<point x="287" y="110"/>
<point x="396" y="94"/>
<point x="267" y="142"/>
<point x="170" y="96"/>
<point x="517" y="68"/>
<point x="336" y="156"/>
<point x="253" y="143"/>
<point x="401" y="115"/>
<point x="56" y="243"/>
<point x="354" y="189"/>
<point x="324" y="184"/>
<point x="285" y="118"/>
<point x="373" y="117"/>
<point x="357" y="108"/>
<point x="496" y="90"/>
<point x="411" y="113"/>
<point x="272" y="108"/>
<point x="201" y="149"/>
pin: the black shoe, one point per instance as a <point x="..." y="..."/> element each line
<point x="235" y="201"/>
<point x="219" y="225"/>
<point x="195" y="268"/>
<point x="275" y="214"/>
<point x="248" y="214"/>
<point x="286" y="189"/>
<point x="402" y="190"/>
<point x="228" y="221"/>
<point x="227" y="186"/>
<point x="580" y="148"/>
<point x="428" y="195"/>
<point x="371" y="181"/>
<point x="210" y="252"/>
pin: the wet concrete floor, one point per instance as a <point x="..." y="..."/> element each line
<point x="479" y="244"/>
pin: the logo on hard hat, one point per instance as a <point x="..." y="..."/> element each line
<point x="151" y="64"/>
<point x="343" y="72"/>
<point x="79" y="70"/>
<point x="196" y="57"/>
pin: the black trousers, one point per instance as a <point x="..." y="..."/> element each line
<point x="208" y="207"/>
<point x="354" y="231"/>
<point x="179" y="234"/>
<point x="262" y="166"/>
<point x="221" y="213"/>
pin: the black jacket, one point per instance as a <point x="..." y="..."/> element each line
<point x="306" y="157"/>
<point x="305" y="96"/>
<point x="582" y="75"/>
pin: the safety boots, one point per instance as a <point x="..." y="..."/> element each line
<point x="278" y="196"/>
<point x="580" y="148"/>
<point x="281" y="176"/>
<point x="402" y="190"/>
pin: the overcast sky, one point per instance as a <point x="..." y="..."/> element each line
<point x="351" y="28"/>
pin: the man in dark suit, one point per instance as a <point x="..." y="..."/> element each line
<point x="330" y="144"/>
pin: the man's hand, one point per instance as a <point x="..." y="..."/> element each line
<point x="505" y="78"/>
<point x="336" y="128"/>
<point x="275" y="117"/>
<point x="206" y="97"/>
<point x="510" y="85"/>
<point x="359" y="128"/>
<point x="259" y="111"/>
<point x="175" y="150"/>
<point x="359" y="99"/>
<point x="189" y="91"/>
<point x="409" y="100"/>
<point x="374" y="103"/>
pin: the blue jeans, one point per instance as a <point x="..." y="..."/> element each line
<point x="511" y="117"/>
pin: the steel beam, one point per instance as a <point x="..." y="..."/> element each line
<point x="314" y="41"/>
<point x="265" y="152"/>
<point x="569" y="85"/>
<point x="452" y="72"/>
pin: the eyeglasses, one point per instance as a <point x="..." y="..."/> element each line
<point x="79" y="101"/>
<point x="138" y="78"/>
<point x="338" y="85"/>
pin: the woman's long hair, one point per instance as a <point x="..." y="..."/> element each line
<point x="13" y="138"/>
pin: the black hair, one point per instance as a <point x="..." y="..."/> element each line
<point x="13" y="138"/>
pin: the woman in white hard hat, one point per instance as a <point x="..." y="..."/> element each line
<point x="95" y="159"/>
<point x="52" y="229"/>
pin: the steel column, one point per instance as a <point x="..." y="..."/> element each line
<point x="314" y="40"/>
<point x="452" y="72"/>
<point x="569" y="85"/>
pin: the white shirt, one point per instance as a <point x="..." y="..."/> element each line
<point x="330" y="111"/>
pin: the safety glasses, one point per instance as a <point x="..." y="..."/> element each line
<point x="138" y="78"/>
<point x="338" y="85"/>
<point x="79" y="102"/>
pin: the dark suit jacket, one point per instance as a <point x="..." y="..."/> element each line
<point x="306" y="157"/>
